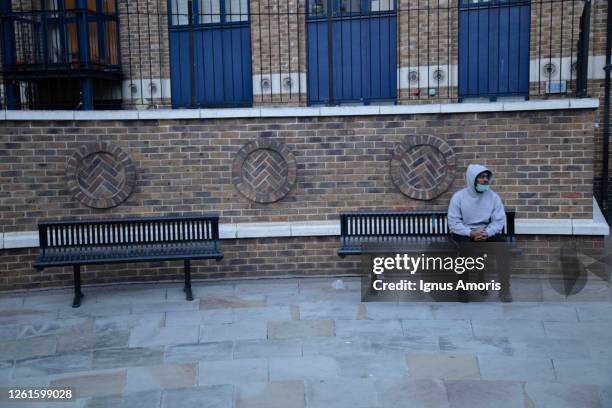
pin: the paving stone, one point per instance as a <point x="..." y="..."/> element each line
<point x="437" y="327"/>
<point x="92" y="385"/>
<point x="266" y="287"/>
<point x="160" y="377"/>
<point x="475" y="345"/>
<point x="127" y="357"/>
<point x="516" y="369"/>
<point x="245" y="330"/>
<point x="127" y="294"/>
<point x="334" y="346"/>
<point x="468" y="311"/>
<point x="357" y="393"/>
<point x="267" y="348"/>
<point x="75" y="327"/>
<point x="419" y="393"/>
<point x="9" y="332"/>
<point x="214" y="396"/>
<point x="557" y="313"/>
<point x="170" y="306"/>
<point x="514" y="328"/>
<point x="161" y="336"/>
<point x="47" y="298"/>
<point x="372" y="365"/>
<point x="201" y="289"/>
<point x="579" y="330"/>
<point x="597" y="348"/>
<point x="195" y="352"/>
<point x="606" y="396"/>
<point x="145" y="399"/>
<point x="231" y="302"/>
<point x="574" y="371"/>
<point x="538" y="347"/>
<point x="199" y="317"/>
<point x="64" y="363"/>
<point x="93" y="309"/>
<point x="300" y="328"/>
<point x="233" y="371"/>
<point x="383" y="310"/>
<point x="594" y="312"/>
<point x="485" y="394"/>
<point x="26" y="315"/>
<point x="303" y="368"/>
<point x="371" y="328"/>
<point x="11" y="301"/>
<point x="438" y="366"/>
<point x="285" y="394"/>
<point x="555" y="395"/>
<point x="114" y="338"/>
<point x="21" y="349"/>
<point x="262" y="313"/>
<point x="127" y="322"/>
<point x="327" y="310"/>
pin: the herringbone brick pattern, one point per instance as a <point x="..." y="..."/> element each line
<point x="265" y="171"/>
<point x="423" y="167"/>
<point x="100" y="175"/>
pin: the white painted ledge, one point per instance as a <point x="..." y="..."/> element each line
<point x="595" y="227"/>
<point x="272" y="112"/>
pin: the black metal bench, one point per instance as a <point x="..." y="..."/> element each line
<point x="91" y="242"/>
<point x="400" y="229"/>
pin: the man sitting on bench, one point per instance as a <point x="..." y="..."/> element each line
<point x="476" y="214"/>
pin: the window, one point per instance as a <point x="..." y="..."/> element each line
<point x="210" y="11"/>
<point x="236" y="10"/>
<point x="180" y="12"/>
<point x="382" y="5"/>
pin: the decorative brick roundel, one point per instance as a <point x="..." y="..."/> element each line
<point x="264" y="171"/>
<point x="101" y="175"/>
<point x="423" y="167"/>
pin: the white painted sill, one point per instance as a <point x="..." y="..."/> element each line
<point x="281" y="112"/>
<point x="595" y="227"/>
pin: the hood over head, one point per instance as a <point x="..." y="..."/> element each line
<point x="474" y="170"/>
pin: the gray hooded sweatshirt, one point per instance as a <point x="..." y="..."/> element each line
<point x="470" y="210"/>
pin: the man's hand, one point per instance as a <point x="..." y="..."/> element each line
<point x="478" y="235"/>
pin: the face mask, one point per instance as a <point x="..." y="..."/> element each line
<point x="481" y="188"/>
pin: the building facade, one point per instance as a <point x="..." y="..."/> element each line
<point x="279" y="115"/>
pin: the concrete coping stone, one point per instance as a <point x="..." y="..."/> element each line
<point x="265" y="112"/>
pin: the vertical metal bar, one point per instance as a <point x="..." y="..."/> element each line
<point x="270" y="49"/>
<point x="280" y="67"/>
<point x="330" y="54"/>
<point x="129" y="44"/>
<point x="606" y="128"/>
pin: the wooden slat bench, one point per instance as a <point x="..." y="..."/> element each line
<point x="400" y="229"/>
<point x="91" y="242"/>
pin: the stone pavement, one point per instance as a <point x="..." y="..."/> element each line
<point x="297" y="343"/>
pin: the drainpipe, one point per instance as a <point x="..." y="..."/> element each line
<point x="606" y="129"/>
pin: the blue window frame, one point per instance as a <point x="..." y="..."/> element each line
<point x="210" y="53"/>
<point x="494" y="48"/>
<point x="352" y="53"/>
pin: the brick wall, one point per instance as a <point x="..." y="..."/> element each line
<point x="543" y="163"/>
<point x="268" y="257"/>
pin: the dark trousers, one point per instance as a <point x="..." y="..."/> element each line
<point x="500" y="270"/>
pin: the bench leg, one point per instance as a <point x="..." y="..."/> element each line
<point x="78" y="295"/>
<point x="187" y="288"/>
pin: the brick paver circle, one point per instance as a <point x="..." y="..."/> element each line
<point x="264" y="171"/>
<point x="423" y="167"/>
<point x="101" y="175"/>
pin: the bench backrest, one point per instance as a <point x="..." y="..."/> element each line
<point x="128" y="231"/>
<point x="415" y="223"/>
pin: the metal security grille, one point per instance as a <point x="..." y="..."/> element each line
<point x="225" y="53"/>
